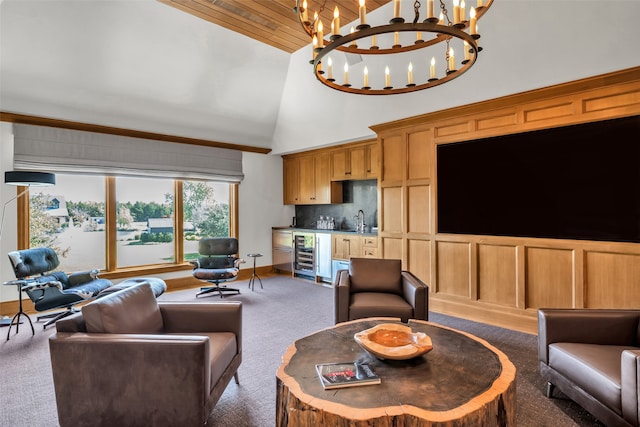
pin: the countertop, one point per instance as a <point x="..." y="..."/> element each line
<point x="319" y="230"/>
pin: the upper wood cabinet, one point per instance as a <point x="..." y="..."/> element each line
<point x="307" y="180"/>
<point x="357" y="162"/>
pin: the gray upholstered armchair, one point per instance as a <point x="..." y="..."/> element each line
<point x="593" y="357"/>
<point x="379" y="288"/>
<point x="129" y="360"/>
<point x="50" y="289"/>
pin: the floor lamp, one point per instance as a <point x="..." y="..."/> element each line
<point x="24" y="179"/>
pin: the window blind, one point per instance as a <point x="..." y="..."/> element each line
<point x="42" y="148"/>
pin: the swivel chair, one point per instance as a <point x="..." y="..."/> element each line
<point x="50" y="289"/>
<point x="218" y="264"/>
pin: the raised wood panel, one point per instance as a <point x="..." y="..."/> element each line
<point x="454" y="268"/>
<point x="497" y="278"/>
<point x="291" y="171"/>
<point x="392" y="208"/>
<point x="307" y="179"/>
<point x="549" y="112"/>
<point x="322" y="166"/>
<point x="392" y="159"/>
<point x="418" y="209"/>
<point x="618" y="100"/>
<point x="419" y="259"/>
<point x="549" y="278"/>
<point x="451" y="129"/>
<point x="419" y="155"/>
<point x="392" y="248"/>
<point x="494" y="122"/>
<point x="612" y="280"/>
<point x="373" y="161"/>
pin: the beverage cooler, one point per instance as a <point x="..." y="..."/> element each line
<point x="304" y="254"/>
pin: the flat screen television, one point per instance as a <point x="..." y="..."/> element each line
<point x="573" y="182"/>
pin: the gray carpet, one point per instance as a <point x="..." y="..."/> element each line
<point x="286" y="309"/>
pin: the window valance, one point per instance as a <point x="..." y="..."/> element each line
<point x="73" y="151"/>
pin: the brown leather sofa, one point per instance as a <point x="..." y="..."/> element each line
<point x="593" y="357"/>
<point x="379" y="288"/>
<point x="129" y="360"/>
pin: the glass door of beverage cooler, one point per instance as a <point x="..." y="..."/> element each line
<point x="304" y="251"/>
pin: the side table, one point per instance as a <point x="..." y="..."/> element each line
<point x="254" y="276"/>
<point x="16" y="318"/>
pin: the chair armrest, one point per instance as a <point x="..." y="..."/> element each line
<point x="415" y="291"/>
<point x="588" y="326"/>
<point x="237" y="262"/>
<point x="181" y="317"/>
<point x="341" y="296"/>
<point x="630" y="389"/>
<point x="141" y="369"/>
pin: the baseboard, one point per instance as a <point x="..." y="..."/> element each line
<point x="486" y="313"/>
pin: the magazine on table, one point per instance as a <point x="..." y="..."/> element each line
<point x="346" y="374"/>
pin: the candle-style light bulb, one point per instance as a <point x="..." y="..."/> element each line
<point x="473" y="22"/>
<point x="456" y="11"/>
<point x="329" y="69"/>
<point x="452" y="60"/>
<point x="396" y="8"/>
<point x="346" y="73"/>
<point x="320" y="34"/>
<point x="365" y="73"/>
<point x="387" y="77"/>
<point x="463" y="12"/>
<point x="335" y="24"/>
<point x="441" y="19"/>
<point x="429" y="8"/>
<point x="353" y="42"/>
<point x="363" y="13"/>
<point x="432" y="69"/>
<point x="305" y="13"/>
<point x="410" y="73"/>
<point x="467" y="55"/>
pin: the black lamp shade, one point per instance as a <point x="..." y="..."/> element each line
<point x="29" y="179"/>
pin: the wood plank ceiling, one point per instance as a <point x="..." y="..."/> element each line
<point x="273" y="22"/>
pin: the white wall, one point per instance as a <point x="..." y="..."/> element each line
<point x="261" y="207"/>
<point x="527" y="45"/>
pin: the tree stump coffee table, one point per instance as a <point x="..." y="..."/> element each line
<point x="462" y="381"/>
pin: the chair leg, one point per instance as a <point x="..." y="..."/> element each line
<point x="549" y="389"/>
<point x="54" y="317"/>
<point x="235" y="377"/>
<point x="217" y="288"/>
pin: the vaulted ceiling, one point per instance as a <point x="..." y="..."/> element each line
<point x="273" y="22"/>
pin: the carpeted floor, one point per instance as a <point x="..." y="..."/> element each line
<point x="274" y="317"/>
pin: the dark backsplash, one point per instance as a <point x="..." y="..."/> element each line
<point x="356" y="195"/>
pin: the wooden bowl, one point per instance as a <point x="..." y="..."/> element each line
<point x="394" y="341"/>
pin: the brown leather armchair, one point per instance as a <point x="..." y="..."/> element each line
<point x="129" y="360"/>
<point x="593" y="357"/>
<point x="379" y="288"/>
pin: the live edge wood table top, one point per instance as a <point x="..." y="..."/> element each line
<point x="462" y="381"/>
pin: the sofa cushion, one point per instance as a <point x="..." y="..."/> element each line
<point x="376" y="304"/>
<point x="375" y="275"/>
<point x="130" y="311"/>
<point x="595" y="368"/>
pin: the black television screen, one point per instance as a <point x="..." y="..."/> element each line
<point x="574" y="182"/>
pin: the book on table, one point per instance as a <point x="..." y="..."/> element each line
<point x="346" y="374"/>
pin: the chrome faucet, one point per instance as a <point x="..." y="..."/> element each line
<point x="360" y="221"/>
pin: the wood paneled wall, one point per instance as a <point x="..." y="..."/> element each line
<point x="493" y="279"/>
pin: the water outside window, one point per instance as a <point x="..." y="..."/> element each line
<point x="69" y="218"/>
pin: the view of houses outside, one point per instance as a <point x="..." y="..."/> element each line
<point x="70" y="218"/>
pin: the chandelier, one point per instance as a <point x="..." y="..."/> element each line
<point x="433" y="46"/>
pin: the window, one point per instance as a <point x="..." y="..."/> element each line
<point x="77" y="219"/>
<point x="206" y="213"/>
